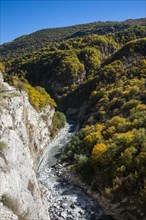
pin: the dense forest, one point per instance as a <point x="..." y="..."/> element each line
<point x="45" y="37"/>
<point x="97" y="74"/>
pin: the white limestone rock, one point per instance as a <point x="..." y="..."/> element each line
<point x="25" y="134"/>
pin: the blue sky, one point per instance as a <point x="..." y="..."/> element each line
<point x="24" y="17"/>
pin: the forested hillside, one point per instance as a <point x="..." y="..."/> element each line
<point x="97" y="74"/>
<point x="45" y="37"/>
<point x="109" y="153"/>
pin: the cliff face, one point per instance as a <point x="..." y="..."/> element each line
<point x="24" y="133"/>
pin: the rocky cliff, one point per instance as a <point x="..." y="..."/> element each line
<point x="24" y="134"/>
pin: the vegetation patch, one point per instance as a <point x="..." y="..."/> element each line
<point x="110" y="155"/>
<point x="58" y="122"/>
<point x="10" y="203"/>
<point x="2" y="67"/>
<point x="98" y="70"/>
<point x="2" y="145"/>
<point x="38" y="97"/>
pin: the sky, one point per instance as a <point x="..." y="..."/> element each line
<point x="20" y="17"/>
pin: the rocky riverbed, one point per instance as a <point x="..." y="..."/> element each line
<point x="66" y="200"/>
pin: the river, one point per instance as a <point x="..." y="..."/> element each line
<point x="66" y="201"/>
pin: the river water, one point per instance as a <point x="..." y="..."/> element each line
<point x="65" y="200"/>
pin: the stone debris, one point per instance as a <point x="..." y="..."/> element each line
<point x="6" y="214"/>
<point x="66" y="201"/>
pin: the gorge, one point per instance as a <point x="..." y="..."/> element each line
<point x="50" y="195"/>
<point x="91" y="165"/>
<point x="66" y="200"/>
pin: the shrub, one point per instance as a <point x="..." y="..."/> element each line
<point x="98" y="150"/>
<point x="99" y="94"/>
<point x="2" y="67"/>
<point x="58" y="121"/>
<point x="128" y="154"/>
<point x="109" y="132"/>
<point x="124" y="139"/>
<point x="84" y="168"/>
<point x="121" y="124"/>
<point x="2" y="145"/>
<point x="38" y="97"/>
<point x="91" y="139"/>
<point x="129" y="105"/>
<point x="116" y="103"/>
<point x="10" y="203"/>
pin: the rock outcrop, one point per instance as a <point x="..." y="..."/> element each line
<point x="24" y="134"/>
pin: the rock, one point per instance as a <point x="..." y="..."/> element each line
<point x="64" y="215"/>
<point x="80" y="212"/>
<point x="25" y="134"/>
<point x="72" y="206"/>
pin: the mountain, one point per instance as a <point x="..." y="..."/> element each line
<point x="97" y="75"/>
<point x="109" y="152"/>
<point x="125" y="64"/>
<point x="45" y="37"/>
<point x="67" y="65"/>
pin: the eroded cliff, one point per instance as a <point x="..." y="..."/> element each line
<point x="24" y="134"/>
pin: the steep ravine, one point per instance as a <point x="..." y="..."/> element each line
<point x="24" y="136"/>
<point x="65" y="200"/>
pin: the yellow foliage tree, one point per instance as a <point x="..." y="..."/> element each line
<point x="92" y="138"/>
<point x="124" y="139"/>
<point x="98" y="150"/>
<point x="99" y="127"/>
<point x="38" y="97"/>
<point x="2" y="67"/>
<point x="109" y="132"/>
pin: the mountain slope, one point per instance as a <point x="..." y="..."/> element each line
<point x="64" y="66"/>
<point x="109" y="152"/>
<point x="43" y="38"/>
<point x="99" y="80"/>
<point x="127" y="62"/>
